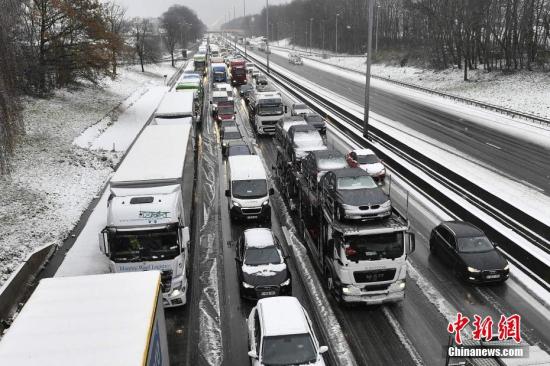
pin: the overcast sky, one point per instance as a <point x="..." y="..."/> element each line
<point x="211" y="12"/>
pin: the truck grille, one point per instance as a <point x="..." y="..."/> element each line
<point x="374" y="276"/>
<point x="166" y="280"/>
<point x="251" y="211"/>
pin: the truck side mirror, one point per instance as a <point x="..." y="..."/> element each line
<point x="286" y="109"/>
<point x="227" y="193"/>
<point x="103" y="242"/>
<point x="252" y="354"/>
<point x="185" y="237"/>
<point x="412" y="243"/>
<point x="323" y="349"/>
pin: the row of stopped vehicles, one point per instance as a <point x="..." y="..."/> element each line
<point x="358" y="241"/>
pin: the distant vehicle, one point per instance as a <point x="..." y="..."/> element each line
<point x="229" y="134"/>
<point x="245" y="90"/>
<point x="66" y="318"/>
<point x="468" y="252"/>
<point x="261" y="265"/>
<point x="217" y="60"/>
<point x="235" y="148"/>
<point x="260" y="80"/>
<point x="265" y="109"/>
<point x="226" y="87"/>
<point x="249" y="191"/>
<point x="352" y="194"/>
<point x="317" y="163"/>
<point x="227" y="123"/>
<point x="255" y="73"/>
<point x="295" y="59"/>
<point x="250" y="67"/>
<point x="300" y="109"/>
<point x="367" y="160"/>
<point x="199" y="61"/>
<point x="219" y="72"/>
<point x="184" y="54"/>
<point x="317" y="121"/>
<point x="284" y="124"/>
<point x="238" y="72"/>
<point x="280" y="333"/>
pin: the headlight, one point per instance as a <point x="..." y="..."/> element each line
<point x="347" y="207"/>
<point x="286" y="283"/>
<point x="386" y="204"/>
<point x="265" y="203"/>
<point x="175" y="293"/>
<point x="506" y="267"/>
<point x="235" y="203"/>
<point x="401" y="284"/>
<point x="473" y="270"/>
<point x="345" y="290"/>
<point x="246" y="285"/>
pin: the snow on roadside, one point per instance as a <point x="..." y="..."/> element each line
<point x="525" y="91"/>
<point x="52" y="180"/>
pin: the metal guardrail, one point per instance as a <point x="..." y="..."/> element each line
<point x="483" y="200"/>
<point x="510" y="112"/>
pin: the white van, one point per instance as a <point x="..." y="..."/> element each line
<point x="249" y="189"/>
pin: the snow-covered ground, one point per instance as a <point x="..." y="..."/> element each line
<point x="52" y="179"/>
<point x="524" y="91"/>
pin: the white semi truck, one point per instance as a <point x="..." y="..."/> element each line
<point x="149" y="209"/>
<point x="107" y="319"/>
<point x="265" y="110"/>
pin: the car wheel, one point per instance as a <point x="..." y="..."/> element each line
<point x="330" y="285"/>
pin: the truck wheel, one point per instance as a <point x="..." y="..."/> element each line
<point x="330" y="285"/>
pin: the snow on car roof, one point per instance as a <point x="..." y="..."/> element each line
<point x="258" y="238"/>
<point x="282" y="315"/>
<point x="244" y="167"/>
<point x="364" y="152"/>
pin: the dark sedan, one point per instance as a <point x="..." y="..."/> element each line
<point x="317" y="121"/>
<point x="245" y="91"/>
<point x="237" y="147"/>
<point x="352" y="194"/>
<point x="261" y="265"/>
<point x="470" y="254"/>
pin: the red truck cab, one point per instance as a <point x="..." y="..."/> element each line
<point x="238" y="72"/>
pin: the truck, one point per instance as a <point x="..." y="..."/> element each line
<point x="184" y="103"/>
<point x="265" y="109"/>
<point x="106" y="319"/>
<point x="199" y="61"/>
<point x="149" y="209"/>
<point x="219" y="73"/>
<point x="361" y="261"/>
<point x="238" y="72"/>
<point x="225" y="109"/>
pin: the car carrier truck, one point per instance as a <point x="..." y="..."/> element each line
<point x="107" y="319"/>
<point x="148" y="210"/>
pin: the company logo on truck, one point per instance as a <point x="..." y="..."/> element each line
<point x="143" y="266"/>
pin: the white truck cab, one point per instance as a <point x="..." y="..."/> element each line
<point x="249" y="191"/>
<point x="266" y="108"/>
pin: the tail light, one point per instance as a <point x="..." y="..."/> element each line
<point x="350" y="252"/>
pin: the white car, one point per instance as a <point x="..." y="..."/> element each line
<point x="250" y="67"/>
<point x="300" y="109"/>
<point x="367" y="160"/>
<point x="280" y="333"/>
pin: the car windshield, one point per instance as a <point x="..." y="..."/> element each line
<point x="360" y="182"/>
<point x="137" y="246"/>
<point x="261" y="256"/>
<point x="270" y="109"/>
<point x="231" y="135"/>
<point x="226" y="109"/>
<point x="474" y="244"/>
<point x="314" y="118"/>
<point x="367" y="159"/>
<point x="336" y="162"/>
<point x="238" y="150"/>
<point x="250" y="189"/>
<point x="374" y="247"/>
<point x="291" y="349"/>
<point x="299" y="106"/>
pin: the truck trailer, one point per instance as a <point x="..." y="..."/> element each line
<point x="238" y="72"/>
<point x="149" y="208"/>
<point x="107" y="319"/>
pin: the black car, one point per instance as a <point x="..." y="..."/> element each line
<point x="468" y="251"/>
<point x="229" y="134"/>
<point x="227" y="123"/>
<point x="284" y="124"/>
<point x="237" y="147"/>
<point x="352" y="194"/>
<point x="245" y="90"/>
<point x="315" y="120"/>
<point x="262" y="268"/>
<point x="317" y="163"/>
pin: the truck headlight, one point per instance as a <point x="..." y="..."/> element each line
<point x="246" y="285"/>
<point x="265" y="203"/>
<point x="175" y="293"/>
<point x="286" y="283"/>
<point x="401" y="284"/>
<point x="506" y="267"/>
<point x="346" y="290"/>
<point x="473" y="270"/>
<point x="235" y="203"/>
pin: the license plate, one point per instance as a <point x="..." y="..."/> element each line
<point x="268" y="293"/>
<point x="252" y="217"/>
<point x="492" y="277"/>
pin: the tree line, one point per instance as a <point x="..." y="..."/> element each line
<point x="49" y="44"/>
<point x="493" y="34"/>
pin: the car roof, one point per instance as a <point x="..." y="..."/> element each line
<point x="292" y="119"/>
<point x="231" y="129"/>
<point x="364" y="152"/>
<point x="244" y="167"/>
<point x="463" y="228"/>
<point x="238" y="143"/>
<point x="282" y="315"/>
<point x="302" y="128"/>
<point x="349" y="172"/>
<point x="299" y="105"/>
<point x="259" y="238"/>
<point x="326" y="154"/>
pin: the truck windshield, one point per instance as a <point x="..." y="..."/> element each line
<point x="291" y="349"/>
<point x="137" y="246"/>
<point x="249" y="189"/>
<point x="374" y="247"/>
<point x="270" y="109"/>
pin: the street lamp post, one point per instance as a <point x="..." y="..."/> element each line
<point x="336" y="47"/>
<point x="367" y="77"/>
<point x="377" y="20"/>
<point x="267" y="32"/>
<point x="245" y="31"/>
<point x="310" y="35"/>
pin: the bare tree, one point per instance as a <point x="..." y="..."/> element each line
<point x="172" y="30"/>
<point x="145" y="45"/>
<point x="114" y="17"/>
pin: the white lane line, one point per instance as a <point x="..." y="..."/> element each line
<point x="492" y="145"/>
<point x="417" y="359"/>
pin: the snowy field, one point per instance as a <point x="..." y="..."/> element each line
<point x="523" y="91"/>
<point x="53" y="179"/>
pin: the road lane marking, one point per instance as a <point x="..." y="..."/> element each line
<point x="492" y="145"/>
